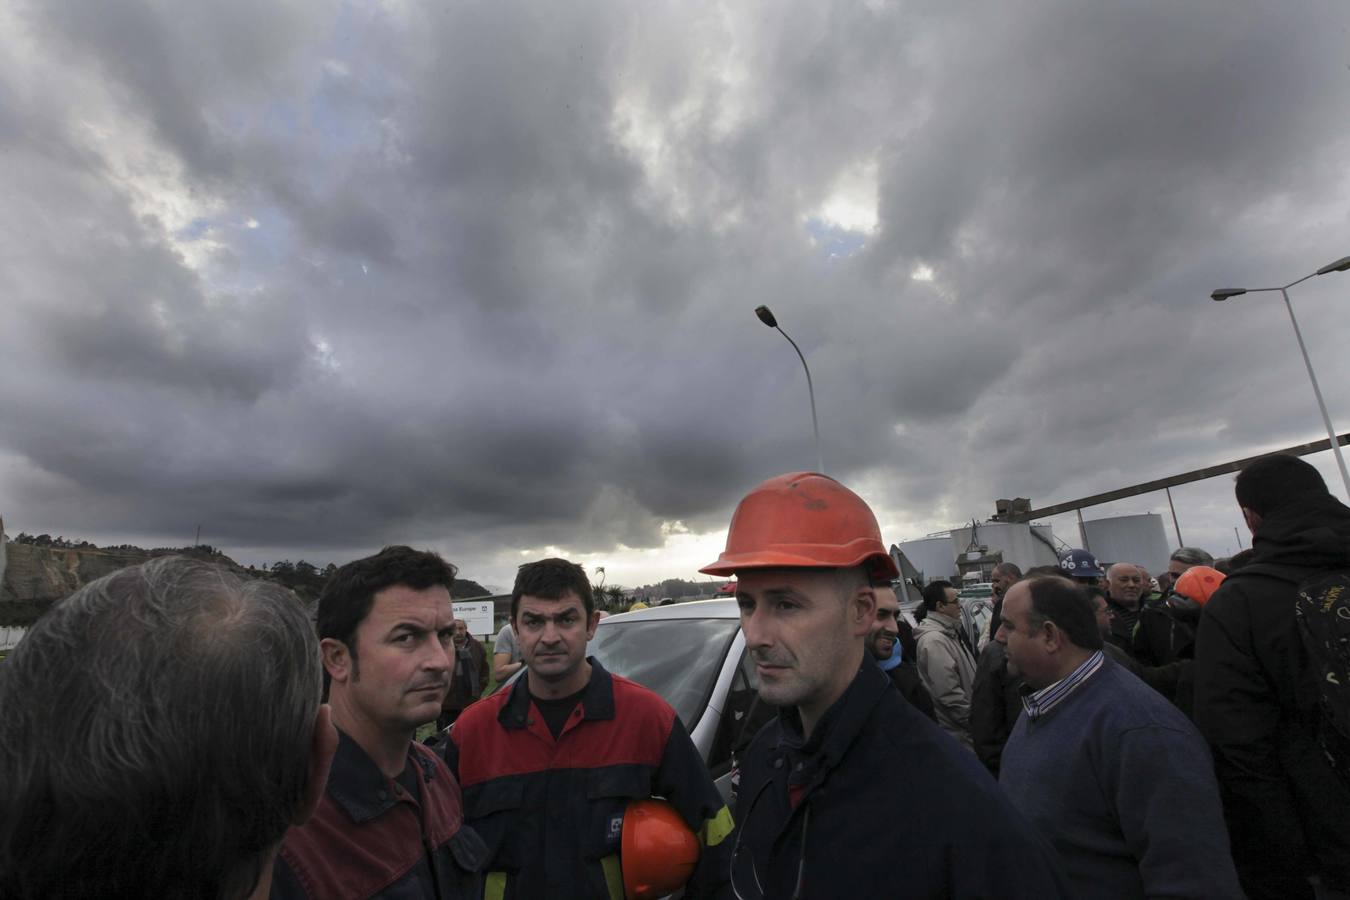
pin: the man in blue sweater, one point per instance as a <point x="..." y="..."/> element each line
<point x="1112" y="774"/>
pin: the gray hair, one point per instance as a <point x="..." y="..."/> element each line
<point x="156" y="735"/>
<point x="1007" y="568"/>
<point x="1192" y="556"/>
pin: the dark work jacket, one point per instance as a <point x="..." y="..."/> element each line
<point x="995" y="705"/>
<point x="887" y="804"/>
<point x="466" y="687"/>
<point x="1164" y="642"/>
<point x="370" y="839"/>
<point x="551" y="811"/>
<point x="906" y="679"/>
<point x="1122" y="629"/>
<point x="1288" y="813"/>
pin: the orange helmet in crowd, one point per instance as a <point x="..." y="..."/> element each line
<point x="1198" y="584"/>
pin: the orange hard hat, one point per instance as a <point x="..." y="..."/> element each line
<point x="803" y="520"/>
<point x="658" y="851"/>
<point x="1198" y="583"/>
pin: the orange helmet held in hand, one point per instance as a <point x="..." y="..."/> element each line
<point x="803" y="520"/>
<point x="658" y="850"/>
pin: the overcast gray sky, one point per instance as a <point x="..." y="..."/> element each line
<point x="480" y="277"/>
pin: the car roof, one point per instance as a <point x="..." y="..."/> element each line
<point x="718" y="608"/>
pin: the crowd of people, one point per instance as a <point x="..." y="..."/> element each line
<point x="173" y="730"/>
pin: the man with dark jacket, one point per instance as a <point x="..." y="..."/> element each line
<point x="845" y="749"/>
<point x="551" y="766"/>
<point x="390" y="823"/>
<point x="883" y="642"/>
<point x="995" y="704"/>
<point x="1288" y="812"/>
<point x="470" y="675"/>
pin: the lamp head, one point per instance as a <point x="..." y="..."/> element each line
<point x="766" y="316"/>
<point x="1224" y="293"/>
<point x="1339" y="265"/>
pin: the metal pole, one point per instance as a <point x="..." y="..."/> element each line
<point x="1180" y="542"/>
<point x="1238" y="536"/>
<point x="1321" y="404"/>
<point x="815" y="428"/>
<point x="1082" y="530"/>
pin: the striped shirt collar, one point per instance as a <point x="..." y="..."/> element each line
<point x="1038" y="703"/>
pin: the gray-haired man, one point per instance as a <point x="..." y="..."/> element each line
<point x="161" y="729"/>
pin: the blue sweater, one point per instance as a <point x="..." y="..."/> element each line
<point x="1122" y="785"/>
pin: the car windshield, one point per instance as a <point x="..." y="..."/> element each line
<point x="676" y="658"/>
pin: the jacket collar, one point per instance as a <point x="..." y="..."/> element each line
<point x="358" y="786"/>
<point x="839" y="727"/>
<point x="941" y="621"/>
<point x="597" y="700"/>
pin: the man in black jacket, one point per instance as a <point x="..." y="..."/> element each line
<point x="850" y="792"/>
<point x="1288" y="813"/>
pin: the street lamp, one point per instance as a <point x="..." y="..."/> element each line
<point x="1339" y="265"/>
<point x="767" y="318"/>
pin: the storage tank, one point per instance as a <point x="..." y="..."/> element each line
<point x="1019" y="543"/>
<point x="1137" y="539"/>
<point x="933" y="556"/>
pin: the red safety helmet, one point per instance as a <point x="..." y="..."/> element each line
<point x="658" y="851"/>
<point x="803" y="520"/>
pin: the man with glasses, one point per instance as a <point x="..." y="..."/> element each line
<point x="946" y="660"/>
<point x="850" y="785"/>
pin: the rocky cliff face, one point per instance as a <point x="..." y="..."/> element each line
<point x="45" y="574"/>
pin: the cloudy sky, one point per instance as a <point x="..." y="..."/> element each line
<point x="319" y="277"/>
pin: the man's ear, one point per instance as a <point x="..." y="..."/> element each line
<point x="336" y="659"/>
<point x="862" y="610"/>
<point x="591" y="623"/>
<point x="322" y="747"/>
<point x="1252" y="519"/>
<point x="1054" y="638"/>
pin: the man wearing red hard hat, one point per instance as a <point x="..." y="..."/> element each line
<point x="846" y="752"/>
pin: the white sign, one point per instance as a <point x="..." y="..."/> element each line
<point x="477" y="615"/>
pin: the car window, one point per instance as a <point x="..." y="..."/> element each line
<point x="742" y="718"/>
<point x="677" y="658"/>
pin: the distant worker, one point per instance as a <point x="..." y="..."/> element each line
<point x="1082" y="567"/>
<point x="1181" y="560"/>
<point x="470" y="675"/>
<point x="389" y="822"/>
<point x="1123" y="587"/>
<point x="850" y="792"/>
<point x="996" y="699"/>
<point x="1116" y="778"/>
<point x="1272" y="689"/>
<point x="506" y="660"/>
<point x="1148" y="588"/>
<point x="946" y="661"/>
<point x="886" y="647"/>
<point x="1004" y="576"/>
<point x="160" y="729"/>
<point x="552" y="767"/>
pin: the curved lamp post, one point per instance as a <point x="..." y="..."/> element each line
<point x="1339" y="265"/>
<point x="766" y="316"/>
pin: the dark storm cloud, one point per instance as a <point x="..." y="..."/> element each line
<point x="326" y="277"/>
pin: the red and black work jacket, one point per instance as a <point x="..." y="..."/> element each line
<point x="551" y="811"/>
<point x="371" y="838"/>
